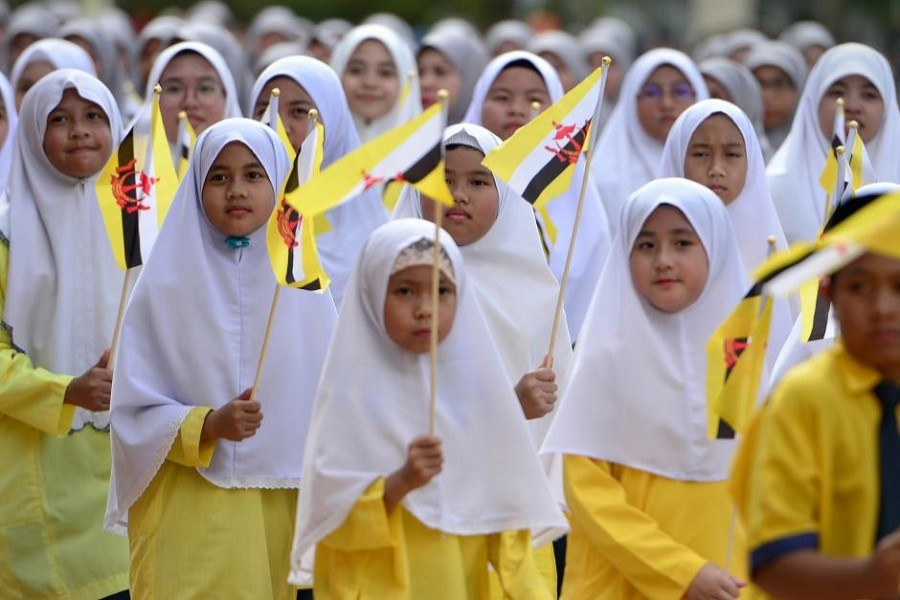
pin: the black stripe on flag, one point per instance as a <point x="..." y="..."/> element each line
<point x="424" y="165"/>
<point x="131" y="233"/>
<point x="293" y="183"/>
<point x="555" y="166"/>
<point x="820" y="317"/>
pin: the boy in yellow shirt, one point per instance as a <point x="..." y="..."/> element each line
<point x="822" y="502"/>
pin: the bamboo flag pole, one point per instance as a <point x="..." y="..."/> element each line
<point x="313" y="117"/>
<point x="435" y="286"/>
<point x="563" y="282"/>
<point x="117" y="332"/>
<point x="771" y="242"/>
<point x="265" y="345"/>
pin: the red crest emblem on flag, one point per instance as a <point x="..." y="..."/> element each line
<point x="130" y="187"/>
<point x="568" y="142"/>
<point x="734" y="347"/>
<point x="289" y="221"/>
<point x="370" y="180"/>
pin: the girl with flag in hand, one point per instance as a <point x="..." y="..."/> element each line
<point x="205" y="468"/>
<point x="60" y="287"/>
<point x="632" y="424"/>
<point x="393" y="512"/>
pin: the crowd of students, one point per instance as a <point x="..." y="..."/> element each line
<point x="328" y="478"/>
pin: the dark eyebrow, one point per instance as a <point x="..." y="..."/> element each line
<point x="682" y="231"/>
<point x="645" y="233"/>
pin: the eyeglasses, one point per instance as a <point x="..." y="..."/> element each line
<point x="654" y="92"/>
<point x="204" y="90"/>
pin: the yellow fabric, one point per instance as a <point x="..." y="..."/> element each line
<point x="814" y="460"/>
<point x="52" y="489"/>
<point x="191" y="539"/>
<point x="378" y="555"/>
<point x="546" y="565"/>
<point x="637" y="535"/>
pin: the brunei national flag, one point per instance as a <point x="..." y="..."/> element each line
<point x="136" y="187"/>
<point x="272" y="118"/>
<point x="539" y="159"/>
<point x="186" y="140"/>
<point x="290" y="237"/>
<point x="411" y="153"/>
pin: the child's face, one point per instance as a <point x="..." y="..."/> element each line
<point x="191" y="84"/>
<point x="77" y="141"/>
<point x="407" y="308"/>
<point x="237" y="194"/>
<point x="371" y="81"/>
<point x="778" y="94"/>
<point x="866" y="299"/>
<point x="476" y="200"/>
<point x="862" y="103"/>
<point x="665" y="94"/>
<point x="294" y="105"/>
<point x="436" y="72"/>
<point x="669" y="267"/>
<point x="562" y="69"/>
<point x="507" y="105"/>
<point x="716" y="89"/>
<point x="716" y="157"/>
<point x="33" y="73"/>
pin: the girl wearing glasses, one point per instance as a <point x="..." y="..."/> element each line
<point x="658" y="87"/>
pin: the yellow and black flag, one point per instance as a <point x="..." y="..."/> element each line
<point x="136" y="188"/>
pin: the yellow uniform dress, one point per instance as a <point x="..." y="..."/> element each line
<point x="378" y="555"/>
<point x="192" y="539"/>
<point x="53" y="487"/>
<point x="812" y="479"/>
<point x="638" y="535"/>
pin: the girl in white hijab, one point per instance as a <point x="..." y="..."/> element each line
<point x="185" y="432"/>
<point x="43" y="57"/>
<point x="562" y="50"/>
<point x="713" y="143"/>
<point x="375" y="65"/>
<point x="809" y="37"/>
<point x="515" y="288"/>
<point x="863" y="78"/>
<point x="733" y="82"/>
<point x="656" y="89"/>
<point x="195" y="79"/>
<point x="351" y="222"/>
<point x="451" y="59"/>
<point x="90" y="35"/>
<point x="474" y="501"/>
<point x="781" y="72"/>
<point x="633" y="420"/>
<point x="61" y="292"/>
<point x="501" y="110"/>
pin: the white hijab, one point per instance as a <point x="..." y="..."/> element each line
<point x="515" y="288"/>
<point x="804" y="34"/>
<point x="404" y="60"/>
<point x="593" y="242"/>
<point x="637" y="393"/>
<point x="192" y="335"/>
<point x="6" y="150"/>
<point x="62" y="54"/>
<point x="373" y="400"/>
<point x="753" y="216"/>
<point x="64" y="285"/>
<point x="795" y="169"/>
<point x="352" y="221"/>
<point x="212" y="56"/>
<point x="466" y="53"/>
<point x="627" y="157"/>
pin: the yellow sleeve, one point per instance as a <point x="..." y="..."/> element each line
<point x="368" y="526"/>
<point x="512" y="557"/>
<point x="631" y="540"/>
<point x="187" y="449"/>
<point x="782" y="496"/>
<point x="28" y="394"/>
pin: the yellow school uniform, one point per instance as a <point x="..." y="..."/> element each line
<point x="189" y="538"/>
<point x="812" y="479"/>
<point x="374" y="554"/>
<point x="638" y="535"/>
<point x="53" y="487"/>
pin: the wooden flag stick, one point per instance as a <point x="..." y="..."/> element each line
<point x="435" y="299"/>
<point x="265" y="346"/>
<point x="117" y="332"/>
<point x="444" y="96"/>
<point x="563" y="282"/>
